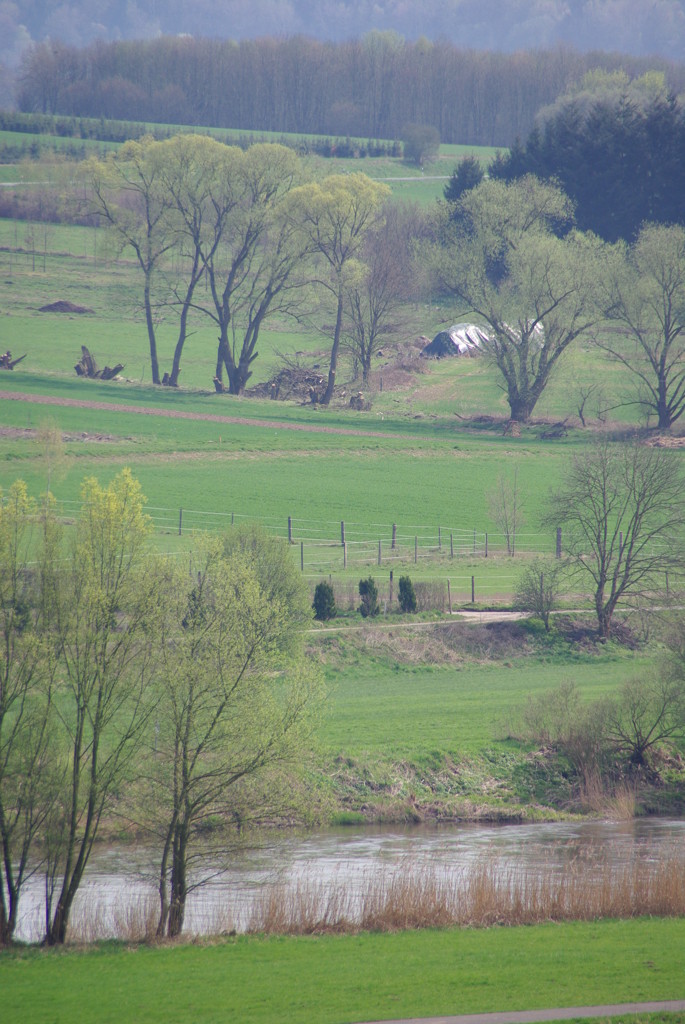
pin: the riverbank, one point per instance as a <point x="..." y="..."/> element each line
<point x="340" y="979"/>
<point x="466" y="722"/>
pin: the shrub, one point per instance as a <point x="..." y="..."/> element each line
<point x="369" y="595"/>
<point x="324" y="602"/>
<point x="407" y="597"/>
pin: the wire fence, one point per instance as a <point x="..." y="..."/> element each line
<point x="334" y="548"/>
<point x="328" y="542"/>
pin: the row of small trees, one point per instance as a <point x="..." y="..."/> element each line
<point x="131" y="687"/>
<point x="324" y="599"/>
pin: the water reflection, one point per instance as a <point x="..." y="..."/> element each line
<point x="120" y="875"/>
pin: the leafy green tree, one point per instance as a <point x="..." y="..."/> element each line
<point x="645" y="297"/>
<point x="621" y="510"/>
<point x="234" y="703"/>
<point x="534" y="292"/>
<point x="99" y="611"/>
<point x="334" y="216"/>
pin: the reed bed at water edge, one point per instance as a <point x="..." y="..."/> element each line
<point x="415" y="897"/>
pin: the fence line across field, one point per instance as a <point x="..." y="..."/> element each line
<point x="455" y="540"/>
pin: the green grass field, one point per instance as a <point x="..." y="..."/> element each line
<point x="340" y="979"/>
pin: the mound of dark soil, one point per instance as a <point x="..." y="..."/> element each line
<point x="64" y="306"/>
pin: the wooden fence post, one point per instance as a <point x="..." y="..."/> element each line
<point x="342" y="533"/>
<point x="290" y="530"/>
<point x="439" y="539"/>
<point x="473" y="590"/>
<point x="486" y="545"/>
<point x="394" y="536"/>
<point x="302" y="555"/>
<point x="558" y="542"/>
<point x="391" y="587"/>
<point x="449" y="597"/>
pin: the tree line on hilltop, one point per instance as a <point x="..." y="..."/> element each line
<point x="370" y="88"/>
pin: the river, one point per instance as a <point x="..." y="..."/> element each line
<point x="122" y="875"/>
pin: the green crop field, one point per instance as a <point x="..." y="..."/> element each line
<point x="337" y="979"/>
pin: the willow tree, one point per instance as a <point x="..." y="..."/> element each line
<point x="253" y="255"/>
<point x="502" y="259"/>
<point x="203" y="182"/>
<point x="26" y="695"/>
<point x="233" y="704"/>
<point x="645" y="299"/>
<point x="334" y="215"/>
<point x="130" y="195"/>
<point x="97" y="623"/>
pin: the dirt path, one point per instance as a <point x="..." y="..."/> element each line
<point x="536" y="1016"/>
<point x="180" y="414"/>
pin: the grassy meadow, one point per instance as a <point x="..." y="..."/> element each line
<point x="336" y="979"/>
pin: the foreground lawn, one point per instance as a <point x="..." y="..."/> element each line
<point x="349" y="978"/>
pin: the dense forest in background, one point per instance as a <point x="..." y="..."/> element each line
<point x="370" y="87"/>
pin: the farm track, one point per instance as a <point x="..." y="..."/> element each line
<point x="180" y="414"/>
<point x="534" y="1016"/>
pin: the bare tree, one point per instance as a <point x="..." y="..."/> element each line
<point x="538" y="589"/>
<point x="622" y="512"/>
<point x="374" y="300"/>
<point x="647" y="712"/>
<point x="506" y="508"/>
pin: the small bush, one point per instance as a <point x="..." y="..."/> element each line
<point x="324" y="602"/>
<point x="369" y="595"/>
<point x="407" y="597"/>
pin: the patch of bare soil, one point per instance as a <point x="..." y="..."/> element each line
<point x="30" y="433"/>
<point x="64" y="306"/>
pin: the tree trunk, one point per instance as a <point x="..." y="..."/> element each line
<point x="330" y="387"/>
<point x="154" y="362"/>
<point x="179" y="883"/>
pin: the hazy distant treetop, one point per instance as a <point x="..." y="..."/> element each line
<point x="625" y="26"/>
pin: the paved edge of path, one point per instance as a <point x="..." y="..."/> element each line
<point x="535" y="1016"/>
